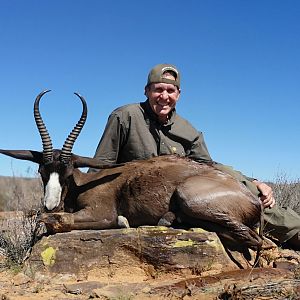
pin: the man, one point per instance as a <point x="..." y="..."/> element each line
<point x="152" y="128"/>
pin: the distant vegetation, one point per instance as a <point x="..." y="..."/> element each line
<point x="18" y="235"/>
<point x="287" y="192"/>
<point x="20" y="193"/>
<point x="18" y="232"/>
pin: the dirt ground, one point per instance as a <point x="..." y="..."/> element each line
<point x="280" y="280"/>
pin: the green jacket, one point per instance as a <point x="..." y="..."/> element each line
<point x="134" y="132"/>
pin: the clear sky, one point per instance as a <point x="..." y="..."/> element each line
<point x="239" y="63"/>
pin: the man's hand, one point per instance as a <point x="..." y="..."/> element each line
<point x="266" y="194"/>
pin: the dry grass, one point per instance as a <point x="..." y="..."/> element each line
<point x="20" y="193"/>
<point x="20" y="198"/>
<point x="287" y="191"/>
<point x="285" y="289"/>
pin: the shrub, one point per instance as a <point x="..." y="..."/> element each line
<point x="18" y="235"/>
<point x="19" y="227"/>
<point x="287" y="191"/>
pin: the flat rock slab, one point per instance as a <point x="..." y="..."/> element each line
<point x="142" y="250"/>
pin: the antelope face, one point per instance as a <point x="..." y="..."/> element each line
<point x="54" y="176"/>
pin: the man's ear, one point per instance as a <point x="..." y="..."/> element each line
<point x="146" y="91"/>
<point x="179" y="91"/>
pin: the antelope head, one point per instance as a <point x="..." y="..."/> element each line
<point x="55" y="166"/>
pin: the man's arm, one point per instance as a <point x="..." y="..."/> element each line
<point x="109" y="145"/>
<point x="258" y="188"/>
<point x="199" y="151"/>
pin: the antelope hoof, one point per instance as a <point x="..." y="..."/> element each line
<point x="167" y="219"/>
<point x="123" y="222"/>
<point x="56" y="222"/>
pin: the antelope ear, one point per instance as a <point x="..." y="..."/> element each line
<point x="88" y="162"/>
<point x="34" y="156"/>
<point x="92" y="179"/>
<point x="78" y="178"/>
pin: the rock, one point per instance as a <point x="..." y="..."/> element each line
<point x="144" y="251"/>
<point x="82" y="287"/>
<point x="21" y="279"/>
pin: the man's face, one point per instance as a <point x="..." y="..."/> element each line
<point x="162" y="98"/>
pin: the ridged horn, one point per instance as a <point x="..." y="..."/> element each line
<point x="46" y="140"/>
<point x="68" y="145"/>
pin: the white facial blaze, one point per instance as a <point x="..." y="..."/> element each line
<point x="52" y="192"/>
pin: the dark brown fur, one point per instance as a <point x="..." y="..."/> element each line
<point x="144" y="191"/>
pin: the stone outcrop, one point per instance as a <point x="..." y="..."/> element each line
<point x="159" y="249"/>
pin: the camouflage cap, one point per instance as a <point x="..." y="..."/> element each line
<point x="157" y="74"/>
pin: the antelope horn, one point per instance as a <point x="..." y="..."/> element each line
<point x="46" y="140"/>
<point x="68" y="145"/>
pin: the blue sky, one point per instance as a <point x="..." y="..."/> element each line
<point x="239" y="63"/>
